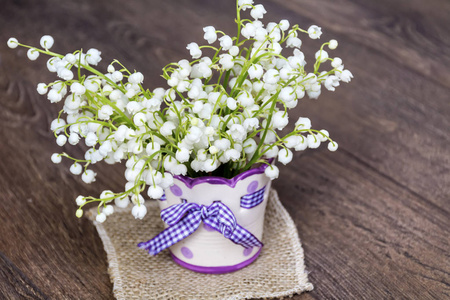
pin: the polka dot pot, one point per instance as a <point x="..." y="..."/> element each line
<point x="208" y="250"/>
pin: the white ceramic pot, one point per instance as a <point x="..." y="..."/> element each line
<point x="207" y="250"/>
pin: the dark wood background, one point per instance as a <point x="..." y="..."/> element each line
<point x="373" y="216"/>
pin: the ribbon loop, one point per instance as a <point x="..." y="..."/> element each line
<point x="185" y="218"/>
<point x="173" y="214"/>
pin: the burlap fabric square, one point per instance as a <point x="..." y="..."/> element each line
<point x="278" y="272"/>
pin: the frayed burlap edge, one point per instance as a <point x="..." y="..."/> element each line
<point x="113" y="263"/>
<point x="302" y="284"/>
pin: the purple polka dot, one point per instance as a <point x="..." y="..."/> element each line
<point x="187" y="252"/>
<point x="176" y="190"/>
<point x="252" y="187"/>
<point x="247" y="251"/>
<point x="207" y="227"/>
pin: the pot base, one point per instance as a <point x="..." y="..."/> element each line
<point x="216" y="270"/>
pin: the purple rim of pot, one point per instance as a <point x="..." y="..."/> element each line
<point x="216" y="270"/>
<point x="231" y="182"/>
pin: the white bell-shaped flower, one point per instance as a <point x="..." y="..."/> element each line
<point x="255" y="71"/>
<point x="88" y="176"/>
<point x="182" y="155"/>
<point x="166" y="180"/>
<point x="271" y="76"/>
<point x="122" y="202"/>
<point x="272" y="172"/>
<point x="155" y="192"/>
<point x="285" y="156"/>
<point x="100" y="218"/>
<point x="108" y="210"/>
<point x="194" y="50"/>
<point x="136" y="78"/>
<point x="321" y="56"/>
<point x="76" y="168"/>
<point x="57" y="125"/>
<point x="313" y="141"/>
<point x="139" y="211"/>
<point x="280" y="120"/>
<point x="314" y="32"/>
<point x="210" y="34"/>
<point x="303" y="123"/>
<point x="93" y="56"/>
<point x="258" y="11"/>
<point x="226" y="42"/>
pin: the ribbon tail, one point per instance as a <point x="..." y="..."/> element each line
<point x="243" y="237"/>
<point x="225" y="223"/>
<point x="171" y="235"/>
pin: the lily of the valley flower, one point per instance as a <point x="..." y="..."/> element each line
<point x="226" y="111"/>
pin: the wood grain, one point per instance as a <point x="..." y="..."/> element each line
<point x="373" y="216"/>
<point x="15" y="284"/>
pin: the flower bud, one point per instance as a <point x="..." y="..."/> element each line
<point x="79" y="213"/>
<point x="13" y="43"/>
<point x="333" y="44"/>
<point x="47" y="41"/>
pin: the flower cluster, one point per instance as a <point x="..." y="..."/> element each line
<point x="220" y="114"/>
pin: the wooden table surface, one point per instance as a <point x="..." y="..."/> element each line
<point x="373" y="216"/>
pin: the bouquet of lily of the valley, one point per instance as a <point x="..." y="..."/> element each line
<point x="220" y="115"/>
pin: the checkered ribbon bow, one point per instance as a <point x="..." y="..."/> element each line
<point x="184" y="219"/>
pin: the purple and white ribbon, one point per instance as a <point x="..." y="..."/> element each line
<point x="253" y="199"/>
<point x="184" y="219"/>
